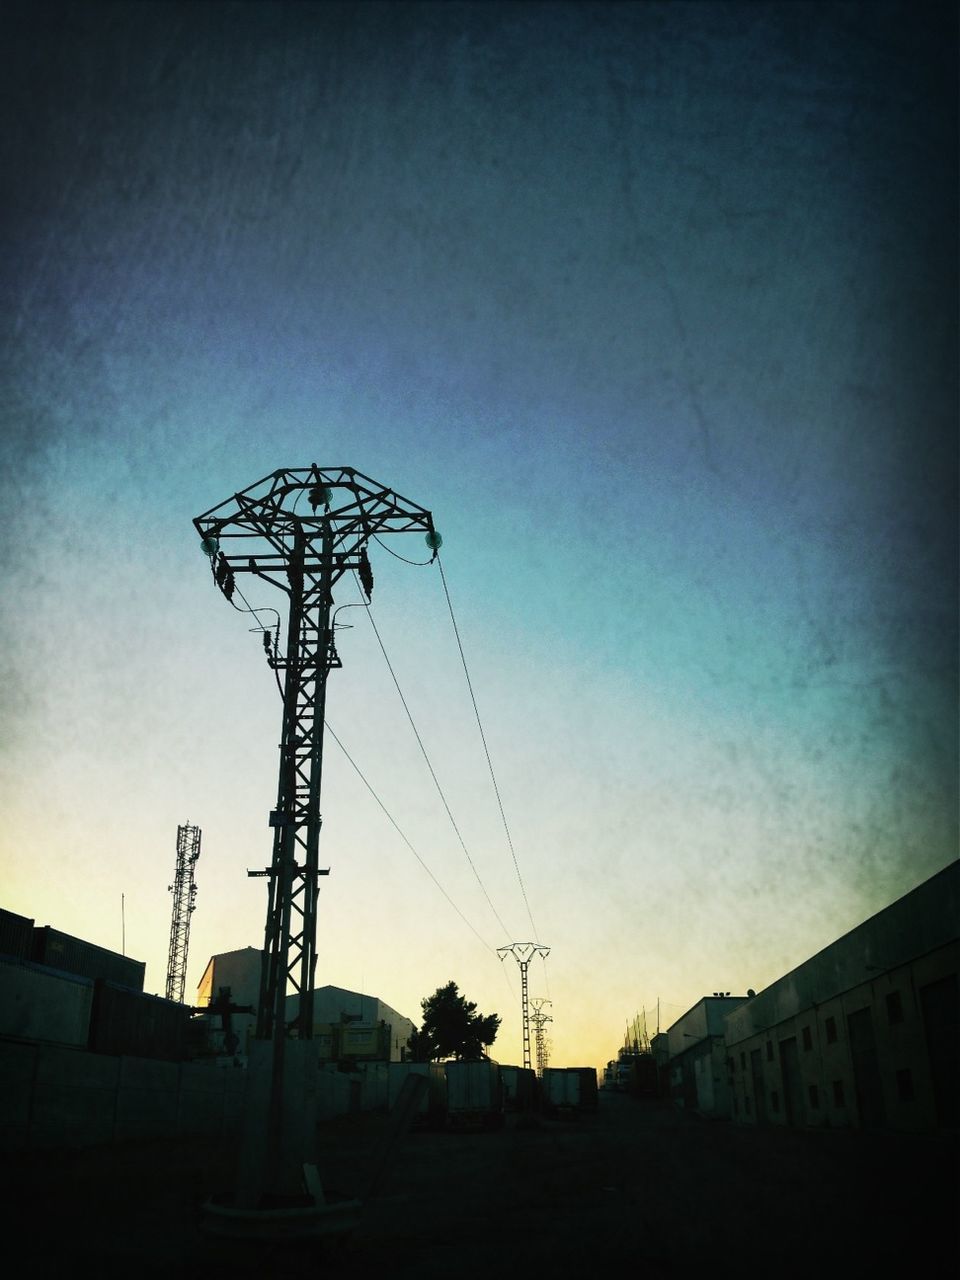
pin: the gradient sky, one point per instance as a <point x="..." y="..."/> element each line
<point x="654" y="307"/>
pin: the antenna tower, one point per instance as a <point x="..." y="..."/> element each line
<point x="184" y="890"/>
<point x="539" y="1017"/>
<point x="523" y="953"/>
<point x="299" y="530"/>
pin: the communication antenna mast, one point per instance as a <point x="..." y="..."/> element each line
<point x="184" y="890"/>
<point x="299" y="530"/>
<point x="523" y="953"/>
<point x="539" y="1017"/>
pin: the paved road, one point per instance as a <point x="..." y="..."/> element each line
<point x="637" y="1184"/>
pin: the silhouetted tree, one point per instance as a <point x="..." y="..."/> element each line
<point x="452" y="1028"/>
<point x="418" y="1047"/>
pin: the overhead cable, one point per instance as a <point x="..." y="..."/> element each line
<point x="483" y="739"/>
<point x="390" y="819"/>
<point x="433" y="775"/>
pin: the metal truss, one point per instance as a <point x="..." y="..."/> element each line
<point x="539" y="1017"/>
<point x="184" y="890"/>
<point x="523" y="953"/>
<point x="301" y="530"/>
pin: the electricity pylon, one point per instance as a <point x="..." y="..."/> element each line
<point x="540" y="1018"/>
<point x="303" y="553"/>
<point x="184" y="890"/>
<point x="523" y="953"/>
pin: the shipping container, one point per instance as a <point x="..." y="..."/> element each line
<point x="519" y="1088"/>
<point x="72" y="955"/>
<point x="433" y="1102"/>
<point x="569" y="1089"/>
<point x="130" y="1023"/>
<point x="474" y="1094"/>
<point x="39" y="1005"/>
<point x="16" y="935"/>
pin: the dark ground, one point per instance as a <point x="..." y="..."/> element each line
<point x="637" y="1184"/>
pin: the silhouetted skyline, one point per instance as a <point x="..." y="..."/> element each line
<point x="653" y="307"/>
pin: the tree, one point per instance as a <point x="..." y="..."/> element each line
<point x="452" y="1028"/>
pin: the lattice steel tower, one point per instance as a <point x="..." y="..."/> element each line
<point x="300" y="530"/>
<point x="539" y="1017"/>
<point x="523" y="953"/>
<point x="184" y="890"/>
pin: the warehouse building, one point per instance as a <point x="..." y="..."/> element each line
<point x="864" y="1033"/>
<point x="698" y="1074"/>
<point x="347" y="1025"/>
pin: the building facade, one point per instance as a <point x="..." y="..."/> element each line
<point x="865" y="1033"/>
<point x="697" y="1056"/>
<point x="347" y="1025"/>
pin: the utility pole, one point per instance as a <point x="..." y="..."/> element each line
<point x="540" y="1018"/>
<point x="300" y="530"/>
<point x="523" y="953"/>
<point x="184" y="890"/>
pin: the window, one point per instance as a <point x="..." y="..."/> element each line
<point x="894" y="1008"/>
<point x="746" y="1104"/>
<point x="774" y="1100"/>
<point x="905" y="1085"/>
<point x="731" y="1065"/>
<point x="838" y="1093"/>
<point x="769" y="1050"/>
<point x="814" y="1094"/>
<point x="743" y="1062"/>
<point x="830" y="1026"/>
<point x="807" y="1038"/>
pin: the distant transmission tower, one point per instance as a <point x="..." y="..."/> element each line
<point x="523" y="953"/>
<point x="540" y="1018"/>
<point x="184" y="890"/>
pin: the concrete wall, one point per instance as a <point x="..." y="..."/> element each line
<point x="59" y="1097"/>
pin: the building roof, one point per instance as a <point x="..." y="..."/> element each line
<point x="923" y="920"/>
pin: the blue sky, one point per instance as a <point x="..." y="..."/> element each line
<point x="654" y="306"/>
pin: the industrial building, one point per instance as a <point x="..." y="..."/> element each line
<point x="347" y="1025"/>
<point x="865" y="1032"/>
<point x="698" y="1056"/>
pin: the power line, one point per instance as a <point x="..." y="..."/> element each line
<point x="376" y="797"/>
<point x="486" y="751"/>
<point x="396" y="554"/>
<point x="433" y="775"/>
<point x="393" y="823"/>
<point x="365" y="605"/>
<point x="546" y="980"/>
